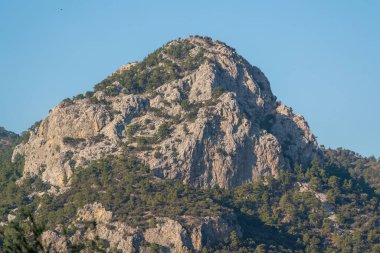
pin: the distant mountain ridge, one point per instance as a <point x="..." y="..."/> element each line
<point x="6" y="137"/>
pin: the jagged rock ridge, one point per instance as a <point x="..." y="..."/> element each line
<point x="194" y="110"/>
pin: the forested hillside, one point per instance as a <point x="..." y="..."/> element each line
<point x="186" y="151"/>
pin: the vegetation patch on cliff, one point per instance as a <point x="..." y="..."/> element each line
<point x="165" y="64"/>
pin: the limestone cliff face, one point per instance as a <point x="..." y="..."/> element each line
<point x="216" y="125"/>
<point x="75" y="133"/>
<point x="95" y="223"/>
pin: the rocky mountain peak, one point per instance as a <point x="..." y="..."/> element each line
<point x="131" y="166"/>
<point x="193" y="110"/>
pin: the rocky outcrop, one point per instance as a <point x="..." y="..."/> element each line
<point x="190" y="233"/>
<point x="54" y="242"/>
<point x="216" y="125"/>
<point x="95" y="224"/>
<point x="170" y="234"/>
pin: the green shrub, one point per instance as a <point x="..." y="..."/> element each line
<point x="97" y="138"/>
<point x="217" y="92"/>
<point x="25" y="136"/>
<point x="78" y="97"/>
<point x="132" y="129"/>
<point x="154" y="70"/>
<point x="157" y="155"/>
<point x="185" y="104"/>
<point x="144" y="140"/>
<point x="73" y="141"/>
<point x="163" y="131"/>
<point x="67" y="101"/>
<point x="180" y="50"/>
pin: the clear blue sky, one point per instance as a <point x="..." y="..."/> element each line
<point x="322" y="57"/>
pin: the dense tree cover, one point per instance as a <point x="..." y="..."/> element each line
<point x="24" y="235"/>
<point x="129" y="188"/>
<point x="275" y="216"/>
<point x="358" y="166"/>
<point x="302" y="219"/>
<point x="4" y="134"/>
<point x="165" y="64"/>
<point x="7" y="138"/>
<point x="12" y="196"/>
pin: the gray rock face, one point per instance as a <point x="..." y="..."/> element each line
<point x="74" y="134"/>
<point x="118" y="235"/>
<point x="217" y="125"/>
<point x="190" y="233"/>
<point x="186" y="235"/>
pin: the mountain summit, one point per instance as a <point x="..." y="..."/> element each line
<point x="193" y="110"/>
<point x="185" y="151"/>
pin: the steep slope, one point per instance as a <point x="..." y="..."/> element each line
<point x="193" y="110"/>
<point x="186" y="151"/>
